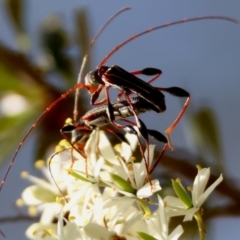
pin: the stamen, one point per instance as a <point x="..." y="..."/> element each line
<point x="24" y="174"/>
<point x="39" y="164"/>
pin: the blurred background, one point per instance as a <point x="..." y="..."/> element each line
<point x="41" y="49"/>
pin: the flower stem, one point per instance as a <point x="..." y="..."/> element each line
<point x="201" y="228"/>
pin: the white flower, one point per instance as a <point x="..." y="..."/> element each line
<point x="61" y="230"/>
<point x="177" y="207"/>
<point x="158" y="225"/>
<point x="46" y="226"/>
<point x="107" y="195"/>
<point x="136" y="177"/>
<point x="57" y="186"/>
<point x="117" y="223"/>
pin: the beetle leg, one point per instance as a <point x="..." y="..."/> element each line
<point x="95" y="96"/>
<point x="179" y="92"/>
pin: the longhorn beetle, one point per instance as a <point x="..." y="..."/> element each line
<point x="128" y="83"/>
<point x="93" y="89"/>
<point x="98" y="117"/>
<point x="124" y="109"/>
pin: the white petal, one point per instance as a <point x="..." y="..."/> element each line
<point x="162" y="215"/>
<point x="105" y="177"/>
<point x="36" y="195"/>
<point x="76" y="197"/>
<point x="50" y="211"/>
<point x="176" y="233"/>
<point x="60" y="226"/>
<point x="200" y="183"/>
<point x="128" y="173"/>
<point x="58" y="166"/>
<point x="39" y="229"/>
<point x="42" y="183"/>
<point x="98" y="167"/>
<point x="139" y="171"/>
<point x="125" y="151"/>
<point x="72" y="231"/>
<point x="174" y="207"/>
<point x="105" y="147"/>
<point x="133" y="140"/>
<point x="96" y="231"/>
<point x="79" y="219"/>
<point x="174" y="202"/>
<point x="190" y="213"/>
<point x="118" y="201"/>
<point x="205" y="195"/>
<point x="147" y="190"/>
<point x="158" y="223"/>
<point x="155" y="228"/>
<point x="130" y="220"/>
<point x="87" y="198"/>
<point x="91" y="144"/>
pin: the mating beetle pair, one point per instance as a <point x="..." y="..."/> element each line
<point x="127" y="83"/>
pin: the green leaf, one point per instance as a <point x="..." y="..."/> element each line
<point x="206" y="133"/>
<point x="14" y="9"/>
<point x="15" y="12"/>
<point x="182" y="193"/>
<point x="145" y="236"/>
<point x="123" y="184"/>
<point x="10" y="82"/>
<point x="16" y="128"/>
<point x="55" y="40"/>
<point x="76" y="175"/>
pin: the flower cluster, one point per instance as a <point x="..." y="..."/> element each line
<point x="107" y="195"/>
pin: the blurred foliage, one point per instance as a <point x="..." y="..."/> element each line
<point x="14" y="9"/>
<point x="32" y="78"/>
<point x="207" y="136"/>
